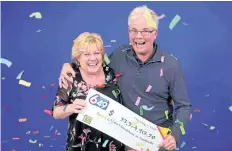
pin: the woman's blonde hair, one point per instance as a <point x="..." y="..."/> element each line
<point x="85" y="42"/>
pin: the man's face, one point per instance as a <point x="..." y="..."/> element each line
<point x="141" y="35"/>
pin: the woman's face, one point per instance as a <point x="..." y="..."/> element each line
<point x="91" y="60"/>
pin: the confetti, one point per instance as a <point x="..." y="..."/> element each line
<point x="139" y="144"/>
<point x="15" y="138"/>
<point x="112" y="40"/>
<point x="196" y="110"/>
<point x="178" y="121"/>
<point x="51" y="128"/>
<point x="141" y="110"/>
<point x="88" y="38"/>
<point x="230" y="108"/>
<point x="204" y="124"/>
<point x="190" y="117"/>
<point x="28" y="132"/>
<point x="194" y="147"/>
<point x="35" y="132"/>
<point x="173" y="56"/>
<point x="106" y="59"/>
<point x="43" y="87"/>
<point x="184" y="23"/>
<point x="33" y="142"/>
<point x="161" y="72"/>
<point x="37" y="15"/>
<point x="145" y="107"/>
<point x="40" y="145"/>
<point x="44" y="97"/>
<point x="6" y="62"/>
<point x="182" y="144"/>
<point x="174" y="21"/>
<point x="119" y="74"/>
<point x="161" y="16"/>
<point x="116" y="93"/>
<point x="3" y="78"/>
<point x="105" y="143"/>
<point x="148" y="88"/>
<point x="162" y="58"/>
<point x="49" y="112"/>
<point x="38" y="31"/>
<point x="166" y="113"/>
<point x="150" y="21"/>
<point x="25" y="83"/>
<point x="182" y="129"/>
<point x="212" y="127"/>
<point x="20" y="75"/>
<point x="107" y="46"/>
<point x="22" y="120"/>
<point x="137" y="101"/>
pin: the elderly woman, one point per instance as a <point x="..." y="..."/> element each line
<point x="88" y="53"/>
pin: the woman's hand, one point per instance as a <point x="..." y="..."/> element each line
<point x="76" y="107"/>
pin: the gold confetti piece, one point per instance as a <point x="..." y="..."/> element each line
<point x="106" y="59"/>
<point x="139" y="144"/>
<point x="37" y="15"/>
<point x="112" y="40"/>
<point x="38" y="31"/>
<point x="116" y="92"/>
<point x="174" y="21"/>
<point x="230" y="108"/>
<point x="22" y="119"/>
<point x="25" y="83"/>
<point x="15" y="138"/>
<point x="20" y="75"/>
<point x="32" y="141"/>
<point x="166" y="113"/>
<point x="182" y="129"/>
<point x="212" y="127"/>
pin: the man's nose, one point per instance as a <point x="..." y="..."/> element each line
<point x="139" y="35"/>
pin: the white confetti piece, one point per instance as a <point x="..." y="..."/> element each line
<point x="173" y="56"/>
<point x="230" y="108"/>
<point x="51" y="128"/>
<point x="107" y="46"/>
<point x="205" y="124"/>
<point x="38" y="31"/>
<point x="43" y="87"/>
<point x="184" y="23"/>
<point x="6" y="62"/>
<point x="148" y="88"/>
<point x="105" y="143"/>
<point x="174" y="22"/>
<point x="161" y="16"/>
<point x="112" y="40"/>
<point x="20" y="75"/>
<point x="137" y="101"/>
<point x="212" y="127"/>
<point x="162" y="58"/>
<point x="25" y="83"/>
<point x="147" y="108"/>
<point x="37" y="15"/>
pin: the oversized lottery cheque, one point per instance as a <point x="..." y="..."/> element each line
<point x="119" y="122"/>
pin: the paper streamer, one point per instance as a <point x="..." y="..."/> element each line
<point x="166" y="113"/>
<point x="174" y="22"/>
<point x="6" y="62"/>
<point x="32" y="141"/>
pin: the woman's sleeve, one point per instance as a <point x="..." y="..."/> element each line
<point x="62" y="97"/>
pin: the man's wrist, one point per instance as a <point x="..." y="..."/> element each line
<point x="65" y="108"/>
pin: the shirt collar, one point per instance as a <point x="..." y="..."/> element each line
<point x="155" y="56"/>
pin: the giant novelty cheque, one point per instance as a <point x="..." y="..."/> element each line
<point x="119" y="122"/>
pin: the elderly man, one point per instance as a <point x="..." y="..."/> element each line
<point x="152" y="83"/>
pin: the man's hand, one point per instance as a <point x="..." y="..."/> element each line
<point x="169" y="143"/>
<point x="65" y="80"/>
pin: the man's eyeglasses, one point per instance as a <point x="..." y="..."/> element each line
<point x="134" y="32"/>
